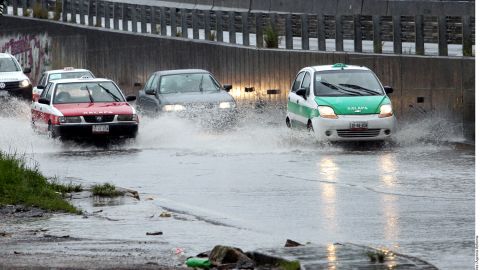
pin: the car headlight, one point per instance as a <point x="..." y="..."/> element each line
<point x="327" y="112"/>
<point x="174" y="108"/>
<point x="226" y="105"/>
<point x="386" y="111"/>
<point x="69" y="119"/>
<point x="24" y="83"/>
<point x="127" y="117"/>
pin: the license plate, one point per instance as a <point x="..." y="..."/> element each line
<point x="358" y="125"/>
<point x="100" y="129"/>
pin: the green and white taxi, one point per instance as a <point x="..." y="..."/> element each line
<point x="341" y="102"/>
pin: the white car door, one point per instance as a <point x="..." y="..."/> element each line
<point x="303" y="102"/>
<point x="294" y="99"/>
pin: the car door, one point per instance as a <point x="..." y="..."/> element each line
<point x="42" y="82"/>
<point x="294" y="99"/>
<point x="147" y="102"/>
<point x="41" y="112"/>
<point x="303" y="102"/>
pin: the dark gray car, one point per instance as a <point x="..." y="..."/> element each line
<point x="188" y="93"/>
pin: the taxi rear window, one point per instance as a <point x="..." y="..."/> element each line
<point x="69" y="75"/>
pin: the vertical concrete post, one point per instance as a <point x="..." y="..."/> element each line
<point x="206" y="18"/>
<point x="195" y="22"/>
<point x="107" y="14"/>
<point x="442" y="36"/>
<point x="44" y="3"/>
<point x="64" y="10"/>
<point x="98" y="11"/>
<point x="124" y="16"/>
<point x="357" y="33"/>
<point x="288" y="32"/>
<point x="143" y="18"/>
<point x="24" y="6"/>
<point x="90" y="13"/>
<point x="321" y="32"/>
<point x="419" y="35"/>
<point x="231" y="27"/>
<point x="377" y="34"/>
<point x="173" y="22"/>
<point x="183" y="14"/>
<point x="116" y="17"/>
<point x="153" y="20"/>
<point x="245" y="29"/>
<point x="259" y="29"/>
<point x="14" y="7"/>
<point x="397" y="34"/>
<point x="163" y="21"/>
<point x="305" y="36"/>
<point x="338" y="33"/>
<point x="219" y="26"/>
<point x="467" y="36"/>
<point x="81" y="11"/>
<point x="134" y="18"/>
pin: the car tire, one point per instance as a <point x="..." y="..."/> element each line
<point x="51" y="131"/>
<point x="310" y="127"/>
<point x="289" y="124"/>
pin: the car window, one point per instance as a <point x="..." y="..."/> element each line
<point x="48" y="92"/>
<point x="42" y="80"/>
<point x="86" y="92"/>
<point x="8" y="64"/>
<point x="306" y="83"/>
<point x="187" y="83"/>
<point x="149" y="84"/>
<point x="346" y="83"/>
<point x="298" y="81"/>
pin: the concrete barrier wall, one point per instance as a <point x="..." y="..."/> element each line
<point x="442" y="86"/>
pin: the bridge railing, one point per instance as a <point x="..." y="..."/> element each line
<point x="420" y="34"/>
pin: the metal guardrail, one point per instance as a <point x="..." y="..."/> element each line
<point x="294" y="29"/>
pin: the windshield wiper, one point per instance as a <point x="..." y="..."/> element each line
<point x="89" y="95"/>
<point x="201" y="84"/>
<point x="117" y="99"/>
<point x="354" y="86"/>
<point x="341" y="89"/>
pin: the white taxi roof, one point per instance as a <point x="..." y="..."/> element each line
<point x="80" y="80"/>
<point x="338" y="67"/>
<point x="67" y="70"/>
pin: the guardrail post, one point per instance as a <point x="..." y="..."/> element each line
<point x="183" y="14"/>
<point x="173" y="22"/>
<point x="321" y="32"/>
<point x="231" y="27"/>
<point x="288" y="32"/>
<point x="219" y="25"/>
<point x="15" y="8"/>
<point x="397" y="34"/>
<point x="377" y="34"/>
<point x="419" y="35"/>
<point x="64" y="10"/>
<point x="81" y="11"/>
<point x="338" y="33"/>
<point x="206" y="18"/>
<point x="153" y="20"/>
<point x="305" y="36"/>
<point x="259" y="29"/>
<point x="143" y="19"/>
<point x="44" y="4"/>
<point x="107" y="14"/>
<point x="245" y="29"/>
<point x="90" y="13"/>
<point x="98" y="11"/>
<point x="116" y="17"/>
<point x="124" y="17"/>
<point x="24" y="6"/>
<point x="195" y="22"/>
<point x="163" y="21"/>
<point x="134" y="19"/>
<point x="442" y="36"/>
<point x="467" y="36"/>
<point x="357" y="32"/>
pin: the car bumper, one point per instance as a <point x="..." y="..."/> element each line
<point x="24" y="93"/>
<point x="116" y="130"/>
<point x="339" y="129"/>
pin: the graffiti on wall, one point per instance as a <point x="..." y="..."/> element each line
<point x="30" y="50"/>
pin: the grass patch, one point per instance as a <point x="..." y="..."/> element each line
<point x="23" y="184"/>
<point x="39" y="11"/>
<point x="58" y="10"/>
<point x="271" y="37"/>
<point x="65" y="188"/>
<point x="106" y="190"/>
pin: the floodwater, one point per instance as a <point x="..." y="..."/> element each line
<point x="258" y="184"/>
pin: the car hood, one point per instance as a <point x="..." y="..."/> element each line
<point x="198" y="97"/>
<point x="12" y="76"/>
<point x="76" y="109"/>
<point x="354" y="105"/>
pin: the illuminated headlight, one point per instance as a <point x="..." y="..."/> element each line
<point x="174" y="108"/>
<point x="226" y="105"/>
<point x="127" y="117"/>
<point x="24" y="83"/>
<point x="386" y="111"/>
<point x="69" y="119"/>
<point x="327" y="112"/>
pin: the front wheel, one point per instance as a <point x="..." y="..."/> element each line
<point x="289" y="124"/>
<point x="51" y="132"/>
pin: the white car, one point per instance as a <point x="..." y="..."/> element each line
<point x="58" y="74"/>
<point x="341" y="102"/>
<point x="13" y="80"/>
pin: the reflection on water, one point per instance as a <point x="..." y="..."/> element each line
<point x="329" y="171"/>
<point x="107" y="201"/>
<point x="388" y="176"/>
<point x="331" y="257"/>
<point x="388" y="167"/>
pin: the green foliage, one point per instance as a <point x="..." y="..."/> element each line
<point x="65" y="188"/>
<point x="58" y="10"/>
<point x="21" y="184"/>
<point x="271" y="37"/>
<point x="39" y="11"/>
<point x="27" y="12"/>
<point x="106" y="190"/>
<point x="212" y="35"/>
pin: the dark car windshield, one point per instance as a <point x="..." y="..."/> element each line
<point x="336" y="83"/>
<point x="188" y="83"/>
<point x="69" y="75"/>
<point x="8" y="65"/>
<point x="86" y="92"/>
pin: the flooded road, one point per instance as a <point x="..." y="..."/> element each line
<point x="259" y="184"/>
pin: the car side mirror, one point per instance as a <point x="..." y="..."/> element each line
<point x="40" y="86"/>
<point x="302" y="92"/>
<point x="137" y="84"/>
<point x="150" y="92"/>
<point x="131" y="98"/>
<point x="388" y="89"/>
<point x="44" y="101"/>
<point x="27" y="70"/>
<point x="227" y="87"/>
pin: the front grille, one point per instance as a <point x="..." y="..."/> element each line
<point x="351" y="133"/>
<point x="10" y="86"/>
<point x="201" y="106"/>
<point x="98" y="118"/>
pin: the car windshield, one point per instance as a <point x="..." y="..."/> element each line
<point x="337" y="83"/>
<point x="8" y="65"/>
<point x="87" y="92"/>
<point x="187" y="83"/>
<point x="69" y="75"/>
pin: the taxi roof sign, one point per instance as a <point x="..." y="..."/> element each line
<point x="68" y="68"/>
<point x="339" y="65"/>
